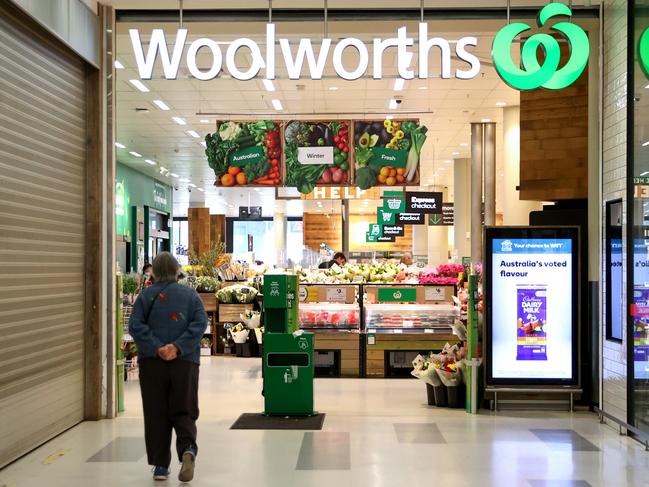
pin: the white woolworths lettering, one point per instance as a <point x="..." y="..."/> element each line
<point x="305" y="52"/>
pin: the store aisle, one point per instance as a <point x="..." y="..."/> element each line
<point x="377" y="433"/>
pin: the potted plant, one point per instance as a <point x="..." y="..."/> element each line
<point x="129" y="288"/>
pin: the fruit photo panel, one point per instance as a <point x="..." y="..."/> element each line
<point x="317" y="153"/>
<point x="387" y="152"/>
<point x="245" y="153"/>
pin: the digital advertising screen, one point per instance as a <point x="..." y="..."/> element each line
<point x="640" y="308"/>
<point x="531" y="305"/>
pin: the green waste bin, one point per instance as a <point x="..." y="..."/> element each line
<point x="288" y="374"/>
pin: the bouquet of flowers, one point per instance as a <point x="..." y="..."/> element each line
<point x="251" y="318"/>
<point x="259" y="333"/>
<point x="442" y="274"/>
<point x="239" y="333"/>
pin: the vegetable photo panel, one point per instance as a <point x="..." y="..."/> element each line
<point x="317" y="154"/>
<point x="387" y="152"/>
<point x="245" y="153"/>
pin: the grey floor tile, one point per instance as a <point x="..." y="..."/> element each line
<point x="418" y="433"/>
<point x="325" y="451"/>
<point x="558" y="483"/>
<point x="121" y="449"/>
<point x="564" y="439"/>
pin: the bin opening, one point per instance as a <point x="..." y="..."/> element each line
<point x="287" y="360"/>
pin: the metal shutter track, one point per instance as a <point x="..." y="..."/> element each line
<point x="42" y="233"/>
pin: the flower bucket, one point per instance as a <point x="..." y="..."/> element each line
<point x="259" y="335"/>
<point x="252" y="322"/>
<point x="239" y="336"/>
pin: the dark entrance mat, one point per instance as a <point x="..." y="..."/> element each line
<point x="255" y="421"/>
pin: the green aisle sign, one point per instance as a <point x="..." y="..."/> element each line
<point x="397" y="294"/>
<point x="394" y="205"/>
<point x="548" y="75"/>
<point x="375" y="230"/>
<point x="369" y="238"/>
<point x="385" y="217"/>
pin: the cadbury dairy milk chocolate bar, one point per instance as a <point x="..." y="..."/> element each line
<point x="530" y="327"/>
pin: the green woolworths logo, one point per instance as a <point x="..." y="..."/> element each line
<point x="547" y="75"/>
<point x="643" y="52"/>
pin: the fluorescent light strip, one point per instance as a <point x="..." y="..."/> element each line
<point x="204" y="120"/>
<point x="455" y="154"/>
<point x="389" y="117"/>
<point x="139" y="85"/>
<point x="644" y="173"/>
<point x="200" y="189"/>
<point x="464" y="144"/>
<point x="191" y="185"/>
<point x="399" y="84"/>
<point x="149" y="161"/>
<point x="120" y="146"/>
<point x="135" y="154"/>
<point x="277" y="105"/>
<point x="161" y="105"/>
<point x="118" y="65"/>
<point x="392" y="104"/>
<point x="174" y="175"/>
<point x="184" y="180"/>
<point x="193" y="133"/>
<point x="485" y="120"/>
<point x="268" y="84"/>
<point x="645" y="144"/>
<point x="179" y="121"/>
<point x="501" y="104"/>
<point x="333" y="88"/>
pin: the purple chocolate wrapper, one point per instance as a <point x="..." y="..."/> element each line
<point x="530" y="324"/>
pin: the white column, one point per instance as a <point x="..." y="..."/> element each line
<point x="462" y="206"/>
<point x="419" y="240"/>
<point x="279" y="226"/>
<point x="515" y="211"/>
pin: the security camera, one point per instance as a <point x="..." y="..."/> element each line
<point x="176" y="188"/>
<point x="399" y="101"/>
<point x="189" y="190"/>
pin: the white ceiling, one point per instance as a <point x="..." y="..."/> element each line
<point x="446" y="107"/>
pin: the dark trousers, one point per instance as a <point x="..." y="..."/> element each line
<point x="170" y="401"/>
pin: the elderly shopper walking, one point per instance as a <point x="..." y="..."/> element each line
<point x="167" y="324"/>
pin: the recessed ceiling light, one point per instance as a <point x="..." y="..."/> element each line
<point x="423" y="88"/>
<point x="120" y="146"/>
<point x="392" y="104"/>
<point x="455" y="153"/>
<point x="139" y="85"/>
<point x="118" y="65"/>
<point x="149" y="161"/>
<point x="193" y="133"/>
<point x="333" y="88"/>
<point x="179" y="121"/>
<point x="204" y="120"/>
<point x="501" y="175"/>
<point x="191" y="185"/>
<point x="277" y="105"/>
<point x="399" y="84"/>
<point x="204" y="144"/>
<point x="163" y="169"/>
<point x="161" y="105"/>
<point x="135" y="154"/>
<point x="268" y="84"/>
<point x="485" y="120"/>
<point x="174" y="175"/>
<point x="184" y="180"/>
<point x="501" y="104"/>
<point x="464" y="144"/>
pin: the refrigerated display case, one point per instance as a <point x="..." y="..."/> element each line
<point x="402" y="321"/>
<point x="333" y="314"/>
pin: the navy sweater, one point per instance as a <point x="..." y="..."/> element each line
<point x="177" y="317"/>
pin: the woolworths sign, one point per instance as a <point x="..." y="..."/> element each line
<point x="310" y="58"/>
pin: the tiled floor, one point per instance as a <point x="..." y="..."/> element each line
<point x="377" y="433"/>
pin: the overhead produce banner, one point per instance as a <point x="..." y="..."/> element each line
<point x="410" y="218"/>
<point x="342" y="193"/>
<point x="387" y="152"/>
<point x="423" y="202"/>
<point x="317" y="153"/>
<point x="245" y="153"/>
<point x="446" y="218"/>
<point x="531" y="305"/>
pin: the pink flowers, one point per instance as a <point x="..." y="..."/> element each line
<point x="443" y="274"/>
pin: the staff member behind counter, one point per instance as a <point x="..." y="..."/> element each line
<point x="339" y="258"/>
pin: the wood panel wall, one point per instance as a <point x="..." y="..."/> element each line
<point x="554" y="142"/>
<point x="198" y="221"/>
<point x="318" y="228"/>
<point x="217" y="228"/>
